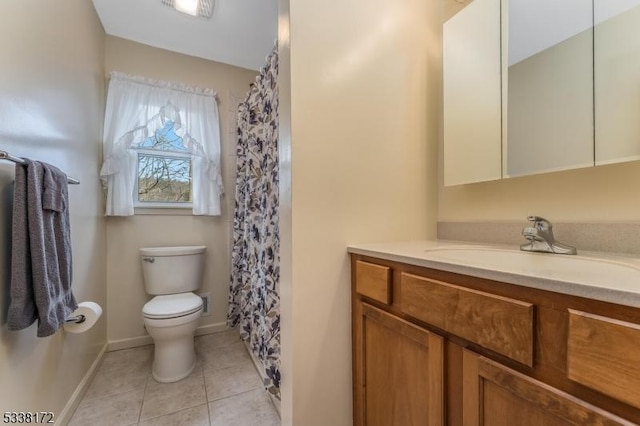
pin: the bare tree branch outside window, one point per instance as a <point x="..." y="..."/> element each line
<point x="161" y="178"/>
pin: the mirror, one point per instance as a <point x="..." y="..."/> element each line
<point x="617" y="80"/>
<point x="558" y="88"/>
<point x="549" y="86"/>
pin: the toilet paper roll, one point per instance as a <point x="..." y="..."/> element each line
<point x="91" y="311"/>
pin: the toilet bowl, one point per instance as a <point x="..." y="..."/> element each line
<point x="172" y="316"/>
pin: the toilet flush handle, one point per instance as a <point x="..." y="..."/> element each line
<point x="149" y="259"/>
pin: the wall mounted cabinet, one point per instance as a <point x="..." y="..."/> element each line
<point x="536" y="87"/>
<point x="617" y="80"/>
<point x="472" y="94"/>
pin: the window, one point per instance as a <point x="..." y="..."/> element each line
<point x="164" y="173"/>
<point x="161" y="147"/>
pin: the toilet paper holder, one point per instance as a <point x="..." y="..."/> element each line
<point x="78" y="319"/>
<point x="83" y="318"/>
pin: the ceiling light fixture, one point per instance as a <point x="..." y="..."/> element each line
<point x="201" y="8"/>
<point x="187" y="6"/>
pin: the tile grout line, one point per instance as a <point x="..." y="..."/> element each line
<point x="172" y="413"/>
<point x="236" y="394"/>
<point x="207" y="402"/>
<point x="144" y="394"/>
<point x="206" y="394"/>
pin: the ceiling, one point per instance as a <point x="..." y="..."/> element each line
<point x="240" y="32"/>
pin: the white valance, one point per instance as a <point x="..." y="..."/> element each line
<point x="136" y="108"/>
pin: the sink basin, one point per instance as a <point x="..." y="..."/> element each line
<point x="574" y="269"/>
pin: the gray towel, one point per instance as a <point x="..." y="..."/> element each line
<point x="41" y="267"/>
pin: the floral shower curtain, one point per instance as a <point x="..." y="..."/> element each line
<point x="254" y="301"/>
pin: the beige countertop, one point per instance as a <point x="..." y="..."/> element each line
<point x="600" y="276"/>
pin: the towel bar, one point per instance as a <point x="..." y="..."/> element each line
<point x="4" y="155"/>
<point x="79" y="319"/>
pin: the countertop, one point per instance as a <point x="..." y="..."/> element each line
<point x="616" y="278"/>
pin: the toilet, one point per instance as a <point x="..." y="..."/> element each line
<point x="171" y="274"/>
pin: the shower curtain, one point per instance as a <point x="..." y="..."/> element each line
<point x="254" y="302"/>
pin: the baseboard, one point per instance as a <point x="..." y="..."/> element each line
<point x="81" y="389"/>
<point x="211" y="328"/>
<point x="134" y="342"/>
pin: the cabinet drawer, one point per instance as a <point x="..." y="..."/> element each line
<point x="373" y="281"/>
<point x="604" y="354"/>
<point x="500" y="324"/>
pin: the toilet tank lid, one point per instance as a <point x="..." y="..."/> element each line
<point x="172" y="251"/>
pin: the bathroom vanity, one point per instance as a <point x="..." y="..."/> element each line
<point x="477" y="335"/>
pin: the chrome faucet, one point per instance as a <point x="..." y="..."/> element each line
<point x="540" y="236"/>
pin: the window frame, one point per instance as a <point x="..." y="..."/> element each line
<point x="137" y="204"/>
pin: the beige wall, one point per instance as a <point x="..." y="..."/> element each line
<point x="51" y="107"/>
<point x="359" y="166"/>
<point x="126" y="294"/>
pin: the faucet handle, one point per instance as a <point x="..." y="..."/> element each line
<point x="539" y="222"/>
<point x="536" y="219"/>
<point x="540" y="237"/>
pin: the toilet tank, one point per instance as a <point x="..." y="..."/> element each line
<point x="169" y="270"/>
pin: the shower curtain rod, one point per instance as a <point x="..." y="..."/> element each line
<point x="4" y="155"/>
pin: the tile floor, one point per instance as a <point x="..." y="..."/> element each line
<point x="224" y="390"/>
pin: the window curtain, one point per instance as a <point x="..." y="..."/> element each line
<point x="136" y="108"/>
<point x="254" y="300"/>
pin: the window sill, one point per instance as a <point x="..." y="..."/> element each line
<point x="163" y="211"/>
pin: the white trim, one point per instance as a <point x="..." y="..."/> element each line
<point x="134" y="342"/>
<point x="73" y="402"/>
<point x="153" y="205"/>
<point x="169" y="211"/>
<point x="164" y="153"/>
<point x="212" y="328"/>
<point x="174" y="155"/>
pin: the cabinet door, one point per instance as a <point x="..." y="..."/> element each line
<point x="399" y="371"/>
<point x="472" y="94"/>
<point x="494" y="395"/>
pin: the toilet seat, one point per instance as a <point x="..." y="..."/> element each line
<point x="172" y="306"/>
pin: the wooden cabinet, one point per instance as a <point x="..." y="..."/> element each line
<point x="399" y="379"/>
<point x="604" y="354"/>
<point x="373" y="281"/>
<point x="494" y="395"/>
<point x="499" y="323"/>
<point x="437" y="348"/>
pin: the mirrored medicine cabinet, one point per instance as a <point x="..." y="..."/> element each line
<point x="539" y="86"/>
